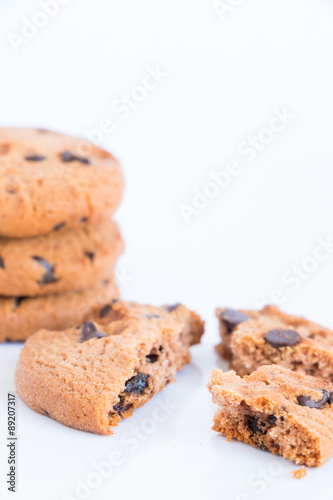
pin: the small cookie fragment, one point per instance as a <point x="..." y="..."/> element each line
<point x="96" y="374"/>
<point x="266" y="410"/>
<point x="299" y="473"/>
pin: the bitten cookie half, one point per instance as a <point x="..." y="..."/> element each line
<point x="91" y="376"/>
<point x="23" y="316"/>
<point x="71" y="259"/>
<point x="278" y="410"/>
<point x="270" y="336"/>
<point x="49" y="180"/>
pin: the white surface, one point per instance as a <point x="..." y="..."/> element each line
<point x="225" y="77"/>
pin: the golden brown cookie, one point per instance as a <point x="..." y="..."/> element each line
<point x="23" y="316"/>
<point x="276" y="409"/>
<point x="92" y="376"/>
<point x="49" y="180"/>
<point x="69" y="259"/>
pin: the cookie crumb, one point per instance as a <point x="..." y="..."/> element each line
<point x="299" y="473"/>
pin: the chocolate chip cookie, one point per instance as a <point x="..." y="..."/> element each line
<point x="278" y="410"/>
<point x="270" y="336"/>
<point x="69" y="259"/>
<point x="92" y="376"/>
<point x="50" y="181"/>
<point x="23" y="316"/>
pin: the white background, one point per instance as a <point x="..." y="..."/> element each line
<point x="224" y="79"/>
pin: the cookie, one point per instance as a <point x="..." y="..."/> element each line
<point x="23" y="316"/>
<point x="270" y="336"/>
<point x="92" y="376"/>
<point x="278" y="410"/>
<point x="49" y="180"/>
<point x="70" y="259"/>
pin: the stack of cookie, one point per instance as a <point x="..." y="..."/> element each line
<point x="58" y="245"/>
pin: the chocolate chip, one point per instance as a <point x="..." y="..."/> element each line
<point x="173" y="307"/>
<point x="105" y="311"/>
<point x="89" y="331"/>
<point x="330" y="399"/>
<point x="59" y="226"/>
<point x="84" y="219"/>
<point x="307" y="401"/>
<point x="68" y="157"/>
<point x="272" y="419"/>
<point x="152" y="316"/>
<point x="232" y="318"/>
<point x="253" y="424"/>
<point x="18" y="301"/>
<point x="137" y="384"/>
<point x="48" y="277"/>
<point x="90" y="255"/>
<point x="259" y="426"/>
<point x="2" y="264"/>
<point x="121" y="406"/>
<point x="152" y="358"/>
<point x="46" y="412"/>
<point x="282" y="338"/>
<point x="35" y="158"/>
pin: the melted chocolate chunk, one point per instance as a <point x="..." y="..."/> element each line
<point x="68" y="157"/>
<point x="259" y="425"/>
<point x="35" y="158"/>
<point x="330" y="399"/>
<point x="84" y="219"/>
<point x="89" y="331"/>
<point x="307" y="401"/>
<point x="2" y="264"/>
<point x="232" y="318"/>
<point x="121" y="406"/>
<point x="173" y="307"/>
<point x="46" y="412"/>
<point x="59" y="226"/>
<point x="283" y="338"/>
<point x="255" y="425"/>
<point x="152" y="316"/>
<point x="137" y="384"/>
<point x="18" y="301"/>
<point x="48" y="277"/>
<point x="90" y="255"/>
<point x="105" y="311"/>
<point x="152" y="358"/>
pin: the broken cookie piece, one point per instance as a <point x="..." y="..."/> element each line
<point x="270" y="410"/>
<point x="91" y="376"/>
<point x="270" y="336"/>
<point x="229" y="319"/>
